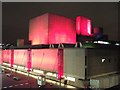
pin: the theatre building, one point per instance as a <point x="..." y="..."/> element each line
<point x="64" y="49"/>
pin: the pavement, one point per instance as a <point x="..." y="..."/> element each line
<point x="26" y="82"/>
<point x="114" y="88"/>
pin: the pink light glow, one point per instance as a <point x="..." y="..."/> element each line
<point x="29" y="59"/>
<point x="78" y="24"/>
<point x="89" y="27"/>
<point x="12" y="58"/>
<point x="20" y="57"/>
<point x="38" y="30"/>
<point x="45" y="59"/>
<point x="60" y="63"/>
<point x="6" y="55"/>
<point x="83" y="26"/>
<point x="52" y="29"/>
<point x="1" y="56"/>
<point x="61" y="30"/>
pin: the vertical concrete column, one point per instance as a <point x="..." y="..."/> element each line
<point x="29" y="59"/>
<point x="12" y="58"/>
<point x="60" y="63"/>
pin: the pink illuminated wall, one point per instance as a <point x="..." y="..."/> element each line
<point x="45" y="59"/>
<point x="83" y="26"/>
<point x="52" y="29"/>
<point x="1" y="56"/>
<point x="20" y="57"/>
<point x="6" y="55"/>
<point x="38" y="30"/>
<point x="78" y="25"/>
<point x="61" y="30"/>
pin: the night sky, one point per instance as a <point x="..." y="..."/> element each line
<point x="16" y="16"/>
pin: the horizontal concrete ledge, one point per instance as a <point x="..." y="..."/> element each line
<point x="103" y="75"/>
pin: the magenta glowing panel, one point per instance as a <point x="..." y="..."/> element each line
<point x="52" y="29"/>
<point x="1" y="55"/>
<point x="29" y="59"/>
<point x="60" y="64"/>
<point x="78" y="24"/>
<point x="45" y="59"/>
<point x="83" y="26"/>
<point x="20" y="57"/>
<point x="38" y="30"/>
<point x="12" y="58"/>
<point x="6" y="56"/>
<point x="61" y="30"/>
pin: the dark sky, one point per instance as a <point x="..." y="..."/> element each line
<point x="16" y="16"/>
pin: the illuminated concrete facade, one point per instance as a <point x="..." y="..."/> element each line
<point x="78" y="65"/>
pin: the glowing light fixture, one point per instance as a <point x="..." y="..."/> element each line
<point x="117" y="44"/>
<point x="103" y="60"/>
<point x="101" y="42"/>
<point x="7" y="64"/>
<point x="38" y="71"/>
<point x="71" y="79"/>
<point x="20" y="67"/>
<point x="95" y="42"/>
<point x="51" y="74"/>
<point x="15" y="66"/>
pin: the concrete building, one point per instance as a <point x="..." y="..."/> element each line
<point x="86" y="63"/>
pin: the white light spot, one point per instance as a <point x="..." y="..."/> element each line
<point x="10" y="86"/>
<point x="103" y="60"/>
<point x="26" y="83"/>
<point x="21" y="84"/>
<point x="16" y="85"/>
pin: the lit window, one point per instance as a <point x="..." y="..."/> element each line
<point x="103" y="60"/>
